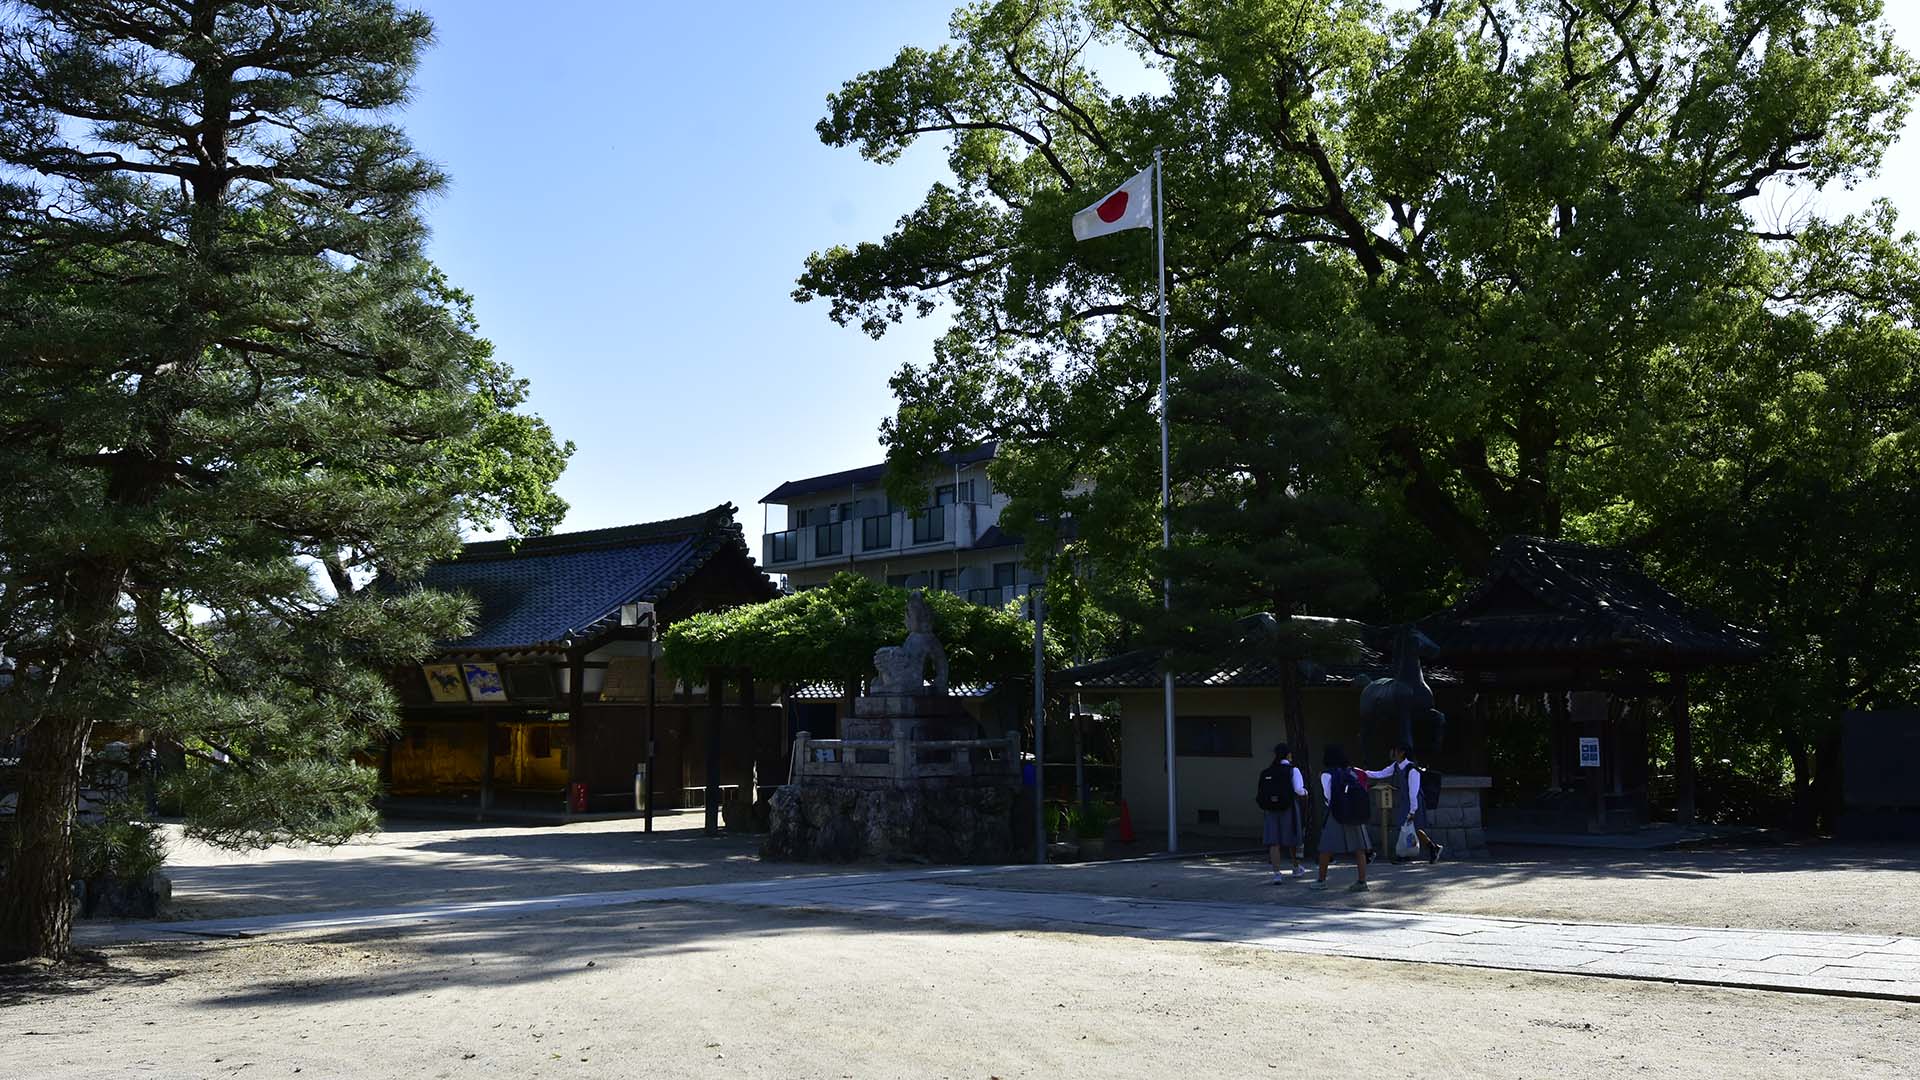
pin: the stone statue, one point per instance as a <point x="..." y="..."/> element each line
<point x="1398" y="700"/>
<point x="902" y="668"/>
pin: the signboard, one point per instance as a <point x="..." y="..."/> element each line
<point x="1589" y="753"/>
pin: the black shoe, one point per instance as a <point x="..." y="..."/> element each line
<point x="1433" y="853"/>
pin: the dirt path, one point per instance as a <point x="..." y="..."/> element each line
<point x="1862" y="890"/>
<point x="679" y="990"/>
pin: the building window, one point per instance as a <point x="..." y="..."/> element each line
<point x="949" y="581"/>
<point x="1213" y="736"/>
<point x="876" y="532"/>
<point x="1005" y="574"/>
<point x="784" y="546"/>
<point x="948" y="494"/>
<point x="929" y="525"/>
<point x="898" y="581"/>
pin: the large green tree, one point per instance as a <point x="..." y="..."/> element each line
<point x="830" y="633"/>
<point x="1551" y="266"/>
<point x="232" y="390"/>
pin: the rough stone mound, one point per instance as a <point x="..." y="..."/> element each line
<point x="818" y="823"/>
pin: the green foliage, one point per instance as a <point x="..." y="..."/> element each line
<point x="232" y="391"/>
<point x="119" y="846"/>
<point x="1087" y="821"/>
<point x="832" y="632"/>
<point x="1535" y="267"/>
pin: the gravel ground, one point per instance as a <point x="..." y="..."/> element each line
<point x="685" y="991"/>
<point x="1772" y="887"/>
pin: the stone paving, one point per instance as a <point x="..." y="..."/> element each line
<point x="1859" y="965"/>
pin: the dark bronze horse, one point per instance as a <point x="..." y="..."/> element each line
<point x="1399" y="699"/>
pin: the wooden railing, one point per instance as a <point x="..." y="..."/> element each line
<point x="904" y="759"/>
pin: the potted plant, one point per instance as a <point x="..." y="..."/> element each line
<point x="1088" y="822"/>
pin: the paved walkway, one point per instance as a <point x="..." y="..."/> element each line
<point x="1859" y="965"/>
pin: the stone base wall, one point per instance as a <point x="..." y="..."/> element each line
<point x="1456" y="823"/>
<point x="831" y="823"/>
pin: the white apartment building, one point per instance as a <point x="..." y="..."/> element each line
<point x="845" y="521"/>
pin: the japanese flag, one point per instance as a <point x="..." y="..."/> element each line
<point x="1129" y="206"/>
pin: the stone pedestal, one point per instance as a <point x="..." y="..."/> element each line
<point x="1458" y="822"/>
<point x="912" y="780"/>
<point x="823" y="823"/>
<point x="919" y="717"/>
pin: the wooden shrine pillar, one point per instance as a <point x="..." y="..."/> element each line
<point x="1682" y="750"/>
<point x="716" y="698"/>
<point x="489" y="731"/>
<point x="1562" y="748"/>
<point x="754" y="761"/>
<point x="576" y="690"/>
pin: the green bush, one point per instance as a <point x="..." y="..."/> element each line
<point x="1089" y="821"/>
<point x="117" y="847"/>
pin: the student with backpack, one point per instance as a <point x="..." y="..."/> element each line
<point x="1415" y="789"/>
<point x="1346" y="807"/>
<point x="1279" y="795"/>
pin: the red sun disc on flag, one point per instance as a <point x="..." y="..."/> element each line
<point x="1115" y="205"/>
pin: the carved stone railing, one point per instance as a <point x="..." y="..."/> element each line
<point x="903" y="760"/>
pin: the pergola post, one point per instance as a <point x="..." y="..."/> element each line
<point x="716" y="698"/>
<point x="1682" y="749"/>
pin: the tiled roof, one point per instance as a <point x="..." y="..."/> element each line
<point x="570" y="586"/>
<point x="834" y="691"/>
<point x="1141" y="669"/>
<point x="1563" y="604"/>
<point x="868" y="476"/>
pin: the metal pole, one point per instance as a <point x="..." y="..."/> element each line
<point x="1039" y="730"/>
<point x="1166" y="498"/>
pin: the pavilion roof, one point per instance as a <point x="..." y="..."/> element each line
<point x="1555" y="604"/>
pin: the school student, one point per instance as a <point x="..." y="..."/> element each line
<point x="1343" y="831"/>
<point x="1406" y="776"/>
<point x="1280" y="793"/>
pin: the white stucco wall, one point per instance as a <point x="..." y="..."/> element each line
<point x="1224" y="784"/>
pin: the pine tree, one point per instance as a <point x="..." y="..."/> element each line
<point x="1265" y="518"/>
<point x="232" y="389"/>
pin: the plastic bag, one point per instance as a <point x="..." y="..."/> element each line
<point x="1408" y="843"/>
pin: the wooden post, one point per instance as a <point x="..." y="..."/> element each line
<point x="576" y="722"/>
<point x="488" y="730"/>
<point x="753" y="739"/>
<point x="1560" y="736"/>
<point x="716" y="698"/>
<point x="799" y="767"/>
<point x="1682" y="749"/>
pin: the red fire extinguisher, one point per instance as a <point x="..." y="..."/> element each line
<point x="577" y="798"/>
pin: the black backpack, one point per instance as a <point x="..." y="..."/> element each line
<point x="1350" y="805"/>
<point x="1276" y="789"/>
<point x="1430" y="781"/>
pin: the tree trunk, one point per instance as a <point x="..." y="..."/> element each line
<point x="36" y="908"/>
<point x="1828" y="795"/>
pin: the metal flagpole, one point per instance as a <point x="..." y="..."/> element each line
<point x="1166" y="498"/>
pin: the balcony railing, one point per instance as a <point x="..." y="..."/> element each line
<point x="877" y="535"/>
<point x="997" y="595"/>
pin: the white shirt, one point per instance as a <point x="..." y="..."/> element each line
<point x="1413" y="781"/>
<point x="1299" y="785"/>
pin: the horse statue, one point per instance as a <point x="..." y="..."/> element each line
<point x="1398" y="699"/>
<point x="902" y="668"/>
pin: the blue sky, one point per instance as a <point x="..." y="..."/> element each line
<point x="635" y="187"/>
